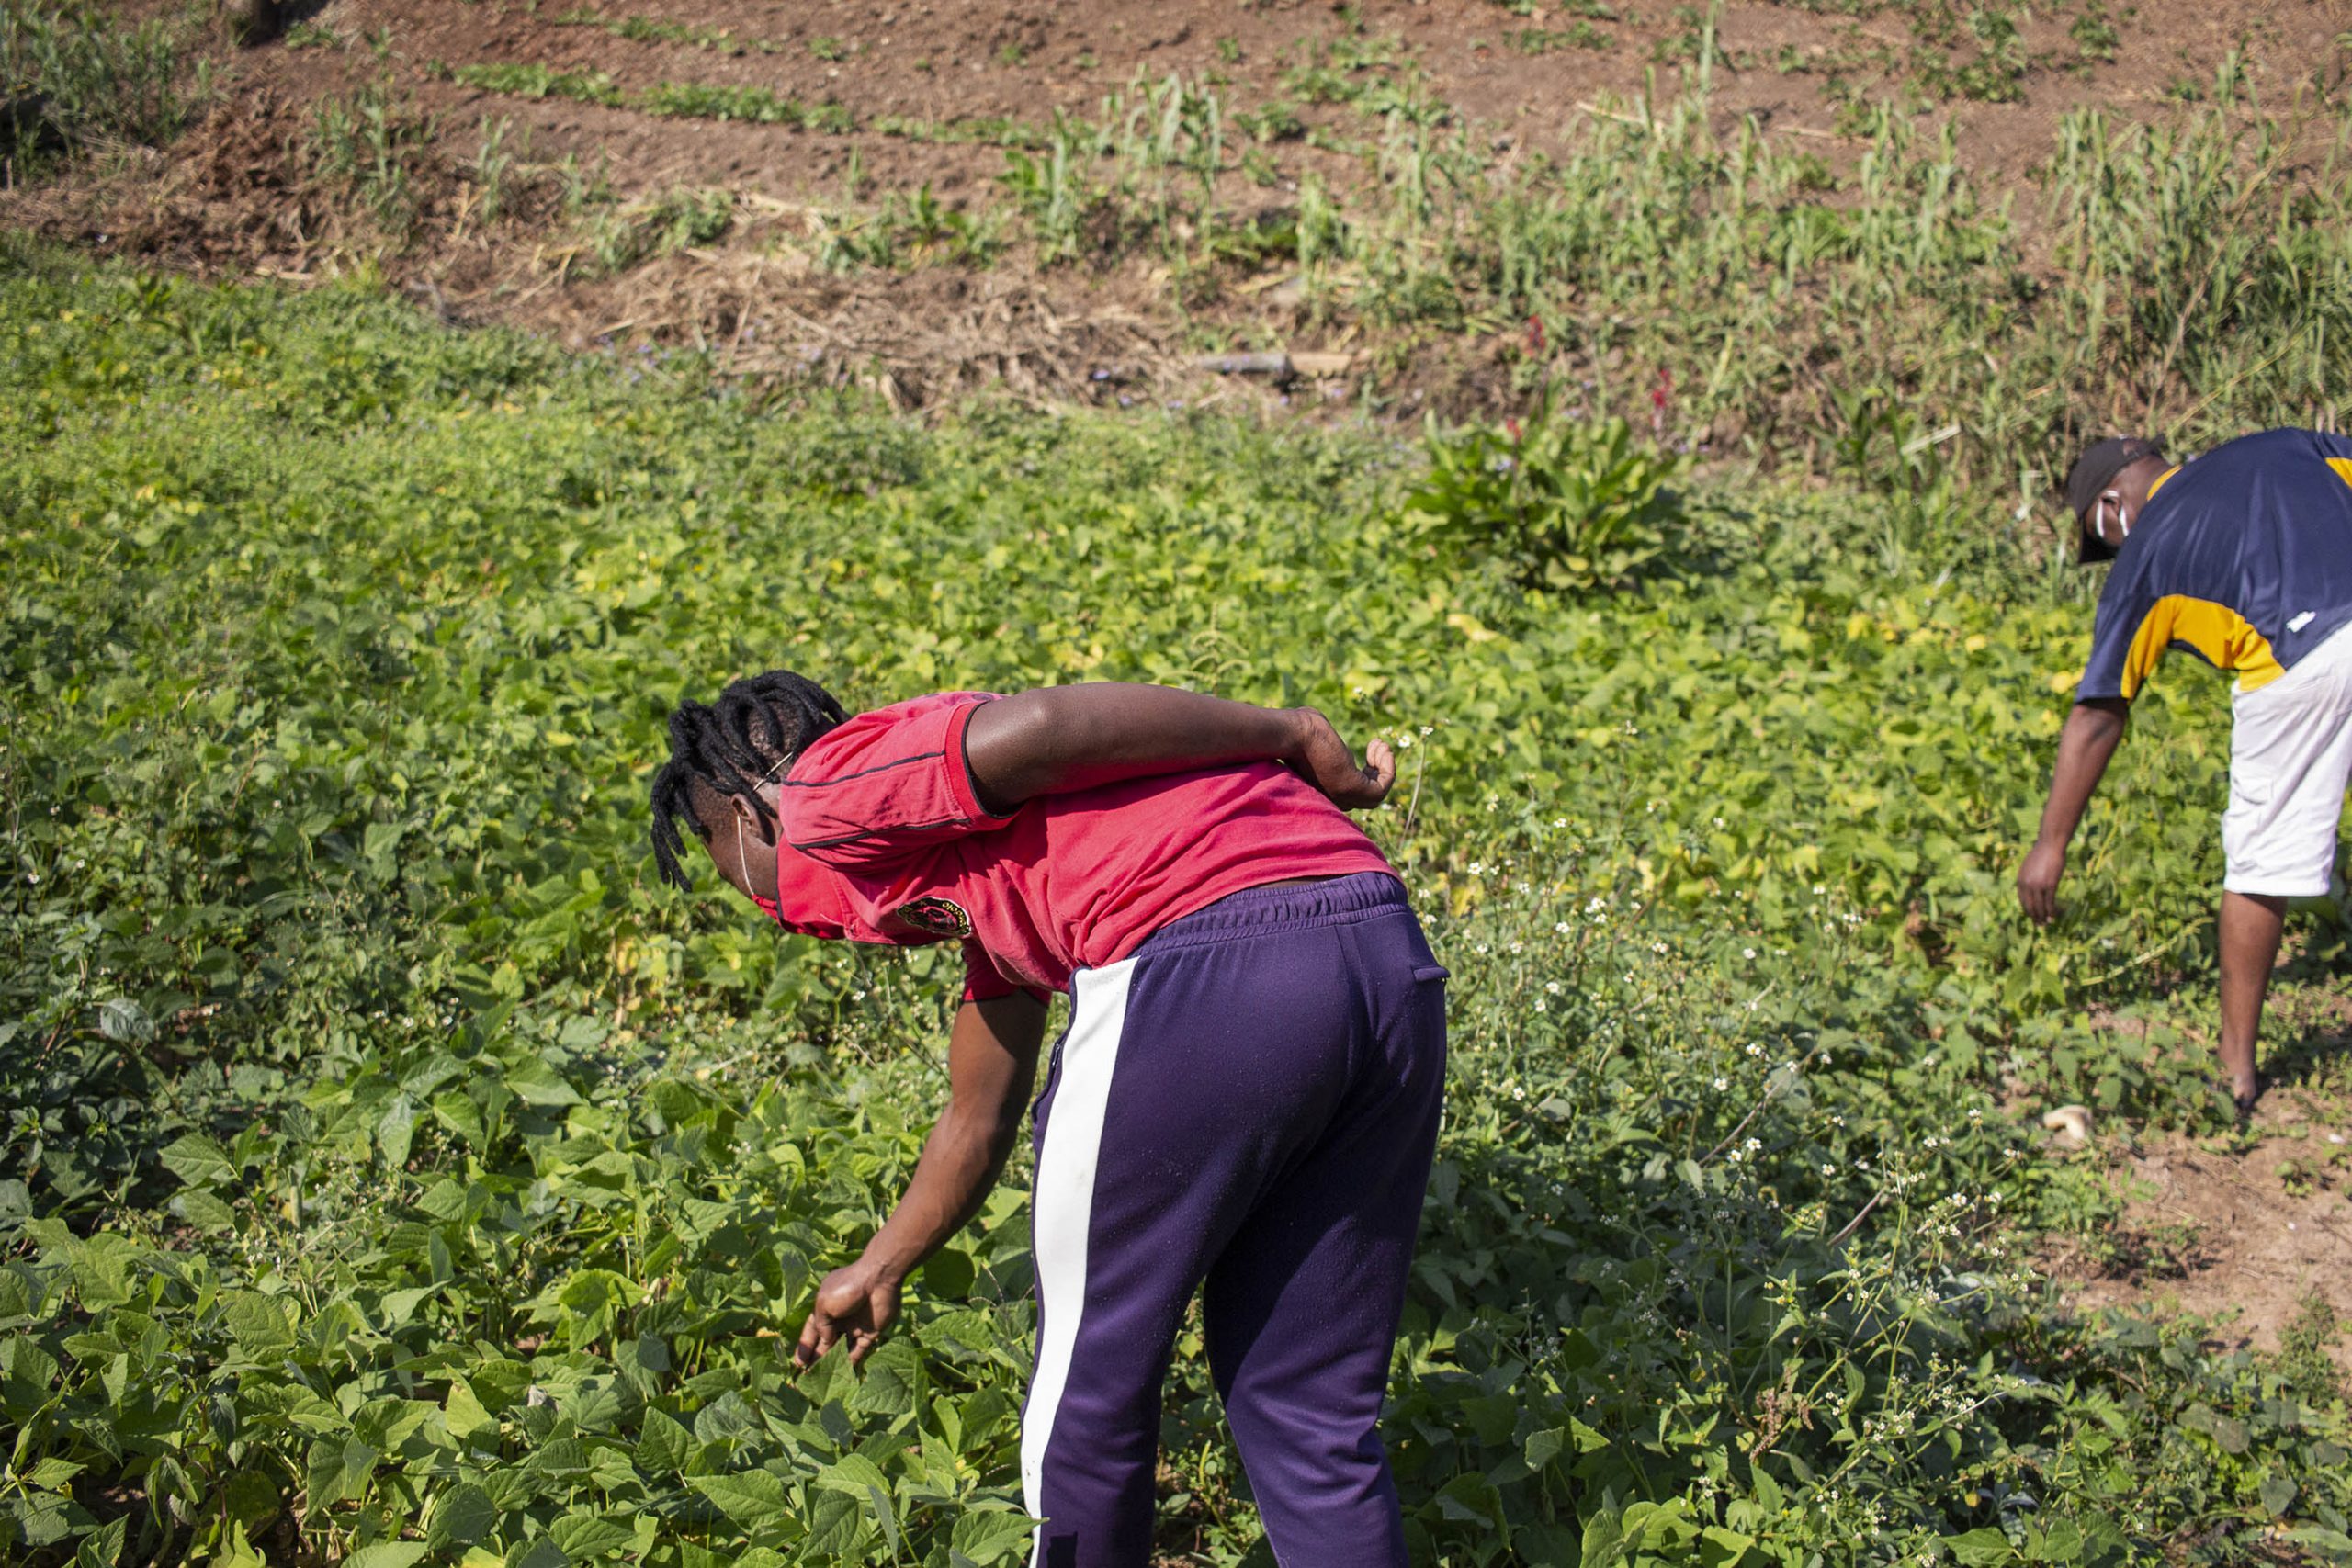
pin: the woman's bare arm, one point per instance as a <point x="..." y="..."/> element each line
<point x="1057" y="739"/>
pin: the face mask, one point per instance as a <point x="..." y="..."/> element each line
<point x="827" y="930"/>
<point x="2098" y="519"/>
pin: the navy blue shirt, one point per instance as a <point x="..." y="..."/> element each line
<point x="2243" y="556"/>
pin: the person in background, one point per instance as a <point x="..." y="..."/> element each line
<point x="2243" y="557"/>
<point x="1246" y="1100"/>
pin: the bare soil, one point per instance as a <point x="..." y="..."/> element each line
<point x="236" y="197"/>
<point x="2240" y="1231"/>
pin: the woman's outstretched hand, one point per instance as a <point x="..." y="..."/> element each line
<point x="1327" y="762"/>
<point x="857" y="1303"/>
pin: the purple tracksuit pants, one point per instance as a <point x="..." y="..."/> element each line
<point x="1250" y="1101"/>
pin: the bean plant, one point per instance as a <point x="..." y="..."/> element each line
<point x="395" y="1173"/>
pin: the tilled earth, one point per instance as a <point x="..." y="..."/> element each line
<point x="237" y="195"/>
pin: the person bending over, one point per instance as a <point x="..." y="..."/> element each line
<point x="1246" y="1100"/>
<point x="2245" y="559"/>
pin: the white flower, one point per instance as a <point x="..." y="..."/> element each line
<point x="1754" y="1049"/>
<point x="1561" y="927"/>
<point x="1828" y="1169"/>
<point x="1747" y="952"/>
<point x="1722" y="1084"/>
<point x="1552" y="987"/>
<point x="1718" y="821"/>
<point x="1539" y="1004"/>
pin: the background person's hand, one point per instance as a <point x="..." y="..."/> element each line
<point x="2038" y="882"/>
<point x="855" y="1302"/>
<point x="1330" y="767"/>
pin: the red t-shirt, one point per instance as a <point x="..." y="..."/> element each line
<point x="883" y="839"/>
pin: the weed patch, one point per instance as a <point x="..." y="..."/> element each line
<point x="70" y="74"/>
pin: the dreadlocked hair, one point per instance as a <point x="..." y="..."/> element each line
<point x="729" y="747"/>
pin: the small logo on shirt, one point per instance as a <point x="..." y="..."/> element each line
<point x="940" y="916"/>
<point x="2300" y="622"/>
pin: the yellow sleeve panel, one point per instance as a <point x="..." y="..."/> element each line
<point x="2343" y="467"/>
<point x="2214" y="632"/>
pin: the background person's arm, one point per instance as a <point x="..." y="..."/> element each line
<point x="2088" y="740"/>
<point x="1067" y="738"/>
<point x="992" y="1062"/>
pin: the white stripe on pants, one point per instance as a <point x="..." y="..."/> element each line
<point x="1065" y="1203"/>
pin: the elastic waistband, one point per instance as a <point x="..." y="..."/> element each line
<point x="1256" y="909"/>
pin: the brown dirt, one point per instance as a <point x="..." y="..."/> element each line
<point x="2241" y="1231"/>
<point x="234" y="196"/>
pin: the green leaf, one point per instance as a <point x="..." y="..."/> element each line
<point x="253" y="1499"/>
<point x="395" y="1130"/>
<point x="338" y="1472"/>
<point x="398" y="1306"/>
<point x="586" y="1536"/>
<point x="462" y="1413"/>
<point x="461" y="1516"/>
<point x="542" y="1552"/>
<point x="948" y="1274"/>
<point x="536" y="1083"/>
<point x="204" y="1210"/>
<point x="755" y="1500"/>
<point x="197" y="1160"/>
<point x="1981" y="1548"/>
<point x="256" y="1322"/>
<point x="663" y="1445"/>
<point x="103" y="1547"/>
<point x="987" y="1536"/>
<point x="387" y="1554"/>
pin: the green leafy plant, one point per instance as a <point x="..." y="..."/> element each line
<point x="395" y="1175"/>
<point x="369" y="145"/>
<point x="1560" y="501"/>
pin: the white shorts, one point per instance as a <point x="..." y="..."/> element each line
<point x="2291" y="758"/>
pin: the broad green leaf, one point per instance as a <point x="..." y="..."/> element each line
<point x="987" y="1536"/>
<point x="338" y="1472"/>
<point x="462" y="1412"/>
<point x="197" y="1160"/>
<point x="587" y="1537"/>
<point x="1980" y="1548"/>
<point x="755" y="1500"/>
<point x="387" y="1554"/>
<point x="258" y="1323"/>
<point x="461" y="1516"/>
